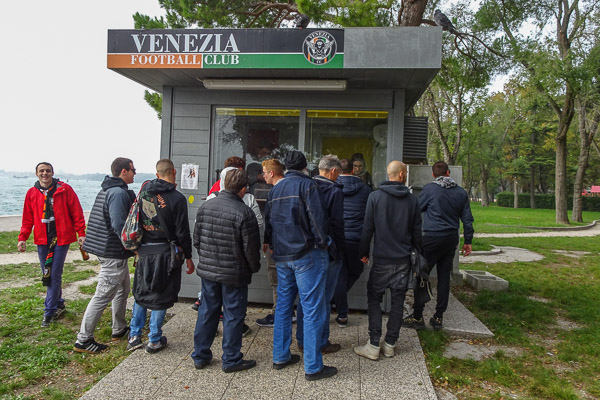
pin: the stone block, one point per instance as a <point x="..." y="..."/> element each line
<point x="480" y="280"/>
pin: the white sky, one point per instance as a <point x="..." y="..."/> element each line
<point x="60" y="103"/>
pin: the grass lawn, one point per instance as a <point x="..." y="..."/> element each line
<point x="487" y="219"/>
<point x="549" y="318"/>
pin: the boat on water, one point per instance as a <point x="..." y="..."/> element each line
<point x="20" y="177"/>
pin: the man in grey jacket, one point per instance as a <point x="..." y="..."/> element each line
<point x="103" y="233"/>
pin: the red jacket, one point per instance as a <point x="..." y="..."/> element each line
<point x="68" y="216"/>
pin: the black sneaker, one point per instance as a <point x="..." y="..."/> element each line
<point x="152" y="348"/>
<point x="436" y="323"/>
<point x="120" y="334"/>
<point x="201" y="364"/>
<point x="46" y="321"/>
<point x="244" y="365"/>
<point x="411" y="322"/>
<point x="60" y="311"/>
<point x="90" y="347"/>
<point x="267" y="321"/>
<point x="326" y="372"/>
<point x="134" y="343"/>
<point x="341" y="321"/>
<point x="293" y="360"/>
<point x="245" y="330"/>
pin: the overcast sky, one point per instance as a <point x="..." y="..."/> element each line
<point x="60" y="103"/>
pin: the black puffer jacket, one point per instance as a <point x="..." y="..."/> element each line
<point x="107" y="219"/>
<point x="355" y="204"/>
<point x="228" y="240"/>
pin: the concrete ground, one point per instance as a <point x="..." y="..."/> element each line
<point x="170" y="374"/>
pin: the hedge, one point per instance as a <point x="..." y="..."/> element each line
<point x="506" y="199"/>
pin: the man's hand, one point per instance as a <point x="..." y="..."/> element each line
<point x="190" y="266"/>
<point x="365" y="260"/>
<point x="22" y="245"/>
<point x="467" y="248"/>
<point x="81" y="240"/>
<point x="265" y="247"/>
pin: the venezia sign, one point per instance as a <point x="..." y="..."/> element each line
<point x="226" y="48"/>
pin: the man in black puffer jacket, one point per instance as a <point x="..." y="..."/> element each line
<point x="157" y="282"/>
<point x="106" y="221"/>
<point x="228" y="241"/>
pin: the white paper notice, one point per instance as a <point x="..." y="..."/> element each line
<point x="189" y="176"/>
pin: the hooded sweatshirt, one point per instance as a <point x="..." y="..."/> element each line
<point x="173" y="207"/>
<point x="394" y="217"/>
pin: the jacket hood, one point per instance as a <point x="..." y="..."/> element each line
<point x="113" y="181"/>
<point x="396" y="189"/>
<point x="322" y="181"/>
<point x="350" y="184"/>
<point x="159" y="186"/>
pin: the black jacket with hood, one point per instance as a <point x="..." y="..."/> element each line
<point x="394" y="217"/>
<point x="356" y="194"/>
<point x="155" y="285"/>
<point x="108" y="215"/>
<point x="333" y="199"/>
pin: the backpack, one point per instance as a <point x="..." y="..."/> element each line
<point x="132" y="233"/>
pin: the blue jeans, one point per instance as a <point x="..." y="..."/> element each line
<point x="330" y="284"/>
<point x="138" y="320"/>
<point x="306" y="277"/>
<point x="234" y="301"/>
<point x="54" y="291"/>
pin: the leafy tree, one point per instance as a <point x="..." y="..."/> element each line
<point x="548" y="59"/>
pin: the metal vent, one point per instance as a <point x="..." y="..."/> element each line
<point x="415" y="140"/>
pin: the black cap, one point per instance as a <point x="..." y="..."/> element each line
<point x="295" y="160"/>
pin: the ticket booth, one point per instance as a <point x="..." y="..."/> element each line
<point x="258" y="93"/>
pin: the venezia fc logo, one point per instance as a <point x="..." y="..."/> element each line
<point x="319" y="47"/>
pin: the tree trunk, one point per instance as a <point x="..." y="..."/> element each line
<point x="516" y="192"/>
<point x="485" y="198"/>
<point x="532" y="187"/>
<point x="411" y="12"/>
<point x="560" y="178"/>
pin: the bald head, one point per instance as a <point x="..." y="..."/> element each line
<point x="396" y="171"/>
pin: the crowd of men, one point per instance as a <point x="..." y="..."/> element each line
<point x="317" y="234"/>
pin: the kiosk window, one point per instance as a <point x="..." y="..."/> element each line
<point x="253" y="134"/>
<point x="348" y="133"/>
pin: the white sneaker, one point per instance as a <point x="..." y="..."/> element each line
<point x="387" y="349"/>
<point x="368" y="350"/>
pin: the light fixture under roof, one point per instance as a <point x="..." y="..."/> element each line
<point x="275" y="84"/>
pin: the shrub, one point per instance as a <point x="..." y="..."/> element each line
<point x="546" y="201"/>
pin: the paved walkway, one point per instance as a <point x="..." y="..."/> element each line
<point x="170" y="374"/>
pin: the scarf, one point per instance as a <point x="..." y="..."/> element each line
<point x="445" y="181"/>
<point x="47" y="270"/>
<point x="48" y="209"/>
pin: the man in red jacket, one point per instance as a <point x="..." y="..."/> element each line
<point x="53" y="211"/>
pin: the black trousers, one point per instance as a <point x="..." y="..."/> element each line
<point x="439" y="251"/>
<point x="351" y="270"/>
<point x="395" y="277"/>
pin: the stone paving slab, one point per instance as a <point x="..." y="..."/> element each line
<point x="170" y="374"/>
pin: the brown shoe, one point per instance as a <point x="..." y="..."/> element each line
<point x="331" y="348"/>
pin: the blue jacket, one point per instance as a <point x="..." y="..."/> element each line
<point x="295" y="217"/>
<point x="356" y="194"/>
<point x="334" y="203"/>
<point x="444" y="208"/>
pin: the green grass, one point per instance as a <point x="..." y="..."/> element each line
<point x="486" y="218"/>
<point x="9" y="240"/>
<point x="553" y="363"/>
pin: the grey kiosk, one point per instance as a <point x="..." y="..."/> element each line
<point x="257" y="93"/>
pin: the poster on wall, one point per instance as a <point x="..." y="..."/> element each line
<point x="189" y="176"/>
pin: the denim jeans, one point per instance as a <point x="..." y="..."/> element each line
<point x="439" y="252"/>
<point x="138" y="320"/>
<point x="381" y="277"/>
<point x="234" y="301"/>
<point x="351" y="270"/>
<point x="330" y="284"/>
<point x="306" y="277"/>
<point x="54" y="291"/>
